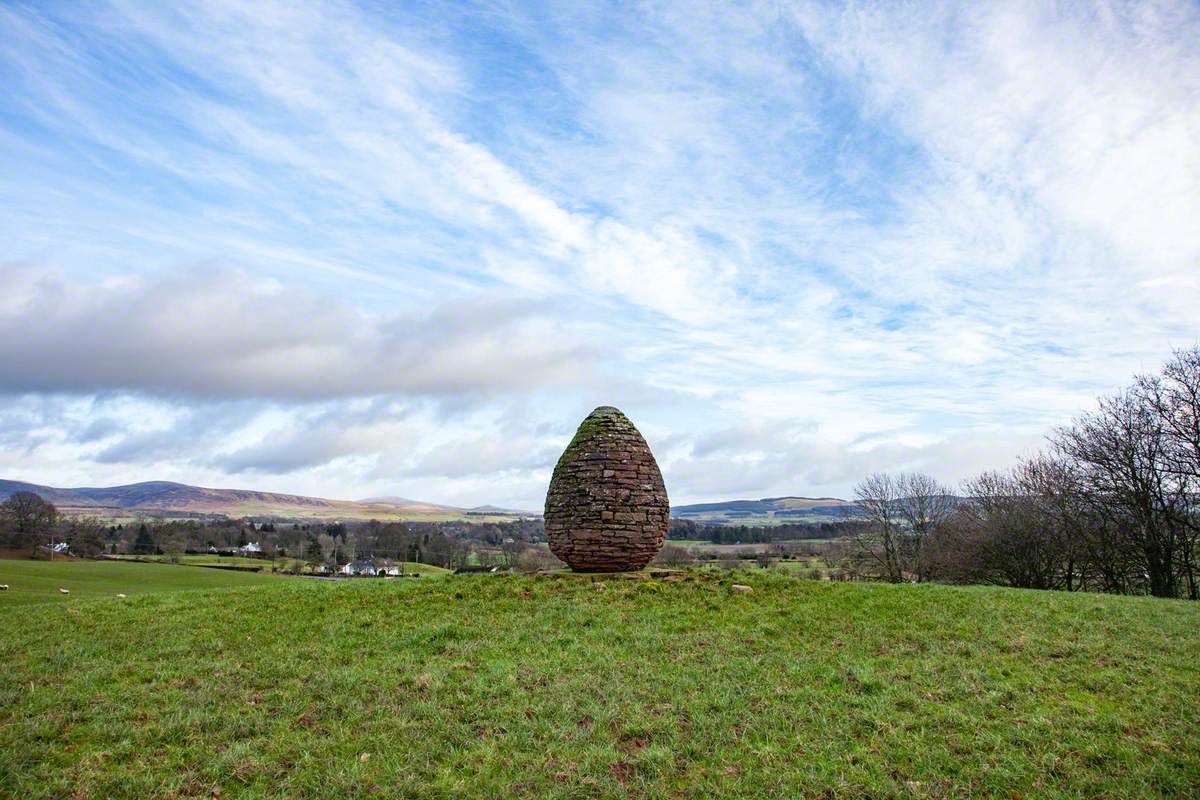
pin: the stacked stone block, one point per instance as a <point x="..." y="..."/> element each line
<point x="607" y="508"/>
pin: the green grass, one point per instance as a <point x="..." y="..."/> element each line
<point x="32" y="582"/>
<point x="562" y="687"/>
<point x="234" y="561"/>
<point x="803" y="565"/>
<point x="425" y="570"/>
<point x="203" y="558"/>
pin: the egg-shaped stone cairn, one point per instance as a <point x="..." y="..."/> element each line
<point x="607" y="508"/>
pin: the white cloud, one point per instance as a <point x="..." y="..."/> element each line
<point x="217" y="333"/>
<point x="795" y="242"/>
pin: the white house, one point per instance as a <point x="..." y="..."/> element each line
<point x="363" y="566"/>
<point x="252" y="549"/>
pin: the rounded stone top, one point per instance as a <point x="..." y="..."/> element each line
<point x="607" y="508"/>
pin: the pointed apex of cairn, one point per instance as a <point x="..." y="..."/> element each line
<point x="607" y="508"/>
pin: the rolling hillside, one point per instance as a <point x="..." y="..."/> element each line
<point x="571" y="687"/>
<point x="169" y="499"/>
<point x="164" y="498"/>
<point x="769" y="510"/>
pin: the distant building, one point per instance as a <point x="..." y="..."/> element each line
<point x="252" y="549"/>
<point x="363" y="566"/>
<point x="375" y="567"/>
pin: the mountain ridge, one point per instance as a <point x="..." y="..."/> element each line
<point x="167" y="498"/>
<point x="164" y="498"/>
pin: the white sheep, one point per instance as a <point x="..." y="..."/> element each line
<point x="3" y="587"/>
<point x="120" y="595"/>
<point x="65" y="591"/>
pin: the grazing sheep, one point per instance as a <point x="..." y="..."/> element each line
<point x="120" y="595"/>
<point x="3" y="587"/>
<point x="65" y="591"/>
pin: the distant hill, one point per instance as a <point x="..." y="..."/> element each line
<point x="165" y="499"/>
<point x="488" y="509"/>
<point x="769" y="510"/>
<point x="403" y="502"/>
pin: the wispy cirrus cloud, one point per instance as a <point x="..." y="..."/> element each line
<point x="799" y="241"/>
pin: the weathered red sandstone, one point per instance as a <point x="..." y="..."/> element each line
<point x="607" y="508"/>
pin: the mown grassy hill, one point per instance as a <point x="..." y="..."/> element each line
<point x="495" y="686"/>
<point x="39" y="581"/>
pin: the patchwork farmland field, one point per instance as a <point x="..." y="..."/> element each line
<point x="500" y="686"/>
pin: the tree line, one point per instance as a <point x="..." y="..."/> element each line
<point x="1111" y="505"/>
<point x="30" y="524"/>
<point x="688" y="529"/>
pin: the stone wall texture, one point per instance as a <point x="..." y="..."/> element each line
<point x="607" y="508"/>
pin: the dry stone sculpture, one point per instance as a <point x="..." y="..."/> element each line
<point x="607" y="508"/>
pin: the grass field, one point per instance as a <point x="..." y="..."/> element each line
<point x="803" y="564"/>
<point x="502" y="686"/>
<point x="203" y="559"/>
<point x="33" y="582"/>
<point x="425" y="570"/>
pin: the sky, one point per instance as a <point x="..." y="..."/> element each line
<point x="370" y="248"/>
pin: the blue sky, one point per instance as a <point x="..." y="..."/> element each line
<point x="362" y="249"/>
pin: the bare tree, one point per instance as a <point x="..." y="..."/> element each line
<point x="903" y="511"/>
<point x="923" y="505"/>
<point x="172" y="543"/>
<point x="1125" y="461"/>
<point x="1008" y="541"/>
<point x="878" y="551"/>
<point x="1177" y="401"/>
<point x="1175" y="398"/>
<point x="1053" y="487"/>
<point x="314" y="554"/>
<point x="85" y="536"/>
<point x="1114" y="506"/>
<point x="29" y="519"/>
<point x="672" y="555"/>
<point x="954" y="552"/>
